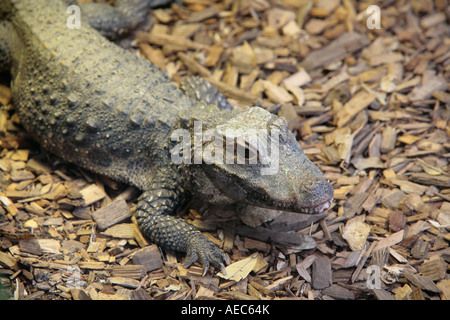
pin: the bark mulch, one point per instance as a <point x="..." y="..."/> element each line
<point x="368" y="103"/>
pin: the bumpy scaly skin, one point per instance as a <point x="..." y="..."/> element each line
<point x="123" y="17"/>
<point x="111" y="112"/>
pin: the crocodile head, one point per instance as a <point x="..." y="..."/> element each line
<point x="254" y="158"/>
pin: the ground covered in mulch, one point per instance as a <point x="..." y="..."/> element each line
<point x="368" y="101"/>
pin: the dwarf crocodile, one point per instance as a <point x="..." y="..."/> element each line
<point x="103" y="108"/>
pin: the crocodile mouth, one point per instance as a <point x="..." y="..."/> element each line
<point x="317" y="209"/>
<point x="308" y="210"/>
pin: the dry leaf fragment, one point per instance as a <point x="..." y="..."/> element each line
<point x="429" y="169"/>
<point x="408" y="139"/>
<point x="32" y="224"/>
<point x="240" y="270"/>
<point x="356" y="233"/>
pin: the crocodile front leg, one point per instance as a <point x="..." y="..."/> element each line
<point x="153" y="215"/>
<point x="202" y="90"/>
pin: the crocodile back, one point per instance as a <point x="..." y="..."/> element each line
<point x="88" y="100"/>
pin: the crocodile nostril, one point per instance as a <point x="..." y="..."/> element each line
<point x="317" y="187"/>
<point x="311" y="184"/>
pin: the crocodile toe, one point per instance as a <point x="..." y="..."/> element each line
<point x="201" y="249"/>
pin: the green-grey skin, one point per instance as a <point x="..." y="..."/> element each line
<point x="105" y="109"/>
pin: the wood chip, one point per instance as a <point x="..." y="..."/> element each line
<point x="129" y="271"/>
<point x="434" y="268"/>
<point x="422" y="282"/>
<point x="426" y="179"/>
<point x="321" y="273"/>
<point x="432" y="20"/>
<point x="122" y="231"/>
<point x="179" y="42"/>
<point x="92" y="265"/>
<point x="149" y="257"/>
<point x="203" y="15"/>
<point x="7" y="261"/>
<point x="432" y="84"/>
<point x="49" y="246"/>
<point x="388" y="139"/>
<point x="358" y="103"/>
<point x="124" y="282"/>
<point x="5" y="95"/>
<point x="193" y="65"/>
<point x="339" y="293"/>
<point x="444" y="286"/>
<point x="275" y="93"/>
<point x="92" y="193"/>
<point x="112" y="214"/>
<point x="336" y="50"/>
<point x="390" y="240"/>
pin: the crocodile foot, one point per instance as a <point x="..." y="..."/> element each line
<point x="202" y="249"/>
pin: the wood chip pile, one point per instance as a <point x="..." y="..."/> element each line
<point x="369" y="106"/>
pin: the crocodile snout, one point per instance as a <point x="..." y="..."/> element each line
<point x="315" y="192"/>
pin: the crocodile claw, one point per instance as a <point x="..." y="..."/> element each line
<point x="201" y="249"/>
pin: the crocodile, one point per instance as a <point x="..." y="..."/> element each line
<point x="105" y="109"/>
